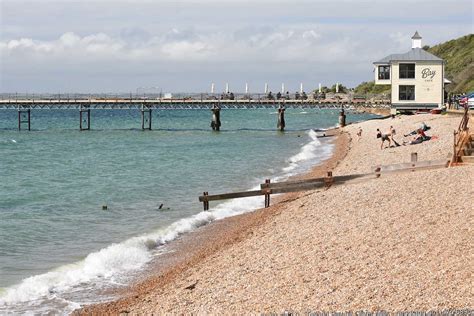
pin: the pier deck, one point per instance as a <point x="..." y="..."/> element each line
<point x="170" y="104"/>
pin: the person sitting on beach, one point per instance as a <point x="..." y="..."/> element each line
<point x="391" y="133"/>
<point x="422" y="126"/>
<point x="420" y="137"/>
<point x="384" y="138"/>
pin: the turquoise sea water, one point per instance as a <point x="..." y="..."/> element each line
<point x="57" y="245"/>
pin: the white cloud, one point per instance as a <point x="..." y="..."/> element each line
<point x="214" y="47"/>
<point x="184" y="45"/>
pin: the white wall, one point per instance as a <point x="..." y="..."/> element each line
<point x="428" y="90"/>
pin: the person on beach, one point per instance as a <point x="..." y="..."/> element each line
<point x="359" y="133"/>
<point x="384" y="138"/>
<point x="422" y="126"/>
<point x="420" y="137"/>
<point x="391" y="133"/>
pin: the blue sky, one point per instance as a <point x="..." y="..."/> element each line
<point x="120" y="46"/>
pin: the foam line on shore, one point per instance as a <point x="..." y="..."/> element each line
<point x="108" y="264"/>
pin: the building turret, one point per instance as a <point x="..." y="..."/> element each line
<point x="416" y="40"/>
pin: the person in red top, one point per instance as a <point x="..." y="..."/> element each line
<point x="420" y="137"/>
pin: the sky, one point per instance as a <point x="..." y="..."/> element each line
<point x="105" y="46"/>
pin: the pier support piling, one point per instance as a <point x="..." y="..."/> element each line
<point x="216" y="118"/>
<point x="146" y="118"/>
<point x="84" y="119"/>
<point x="281" y="118"/>
<point x="24" y="116"/>
<point x="342" y="117"/>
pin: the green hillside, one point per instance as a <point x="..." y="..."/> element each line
<point x="371" y="88"/>
<point x="459" y="57"/>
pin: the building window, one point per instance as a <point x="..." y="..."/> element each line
<point x="407" y="71"/>
<point x="406" y="93"/>
<point x="384" y="72"/>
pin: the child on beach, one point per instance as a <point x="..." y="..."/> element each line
<point x="391" y="133"/>
<point x="384" y="137"/>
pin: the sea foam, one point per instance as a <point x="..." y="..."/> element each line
<point x="108" y="264"/>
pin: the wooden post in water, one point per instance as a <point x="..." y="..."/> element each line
<point x="84" y="118"/>
<point x="205" y="203"/>
<point x="146" y="117"/>
<point x="267" y="194"/>
<point x="281" y="118"/>
<point x="342" y="117"/>
<point x="216" y="118"/>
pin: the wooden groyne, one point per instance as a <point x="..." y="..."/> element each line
<point x="268" y="188"/>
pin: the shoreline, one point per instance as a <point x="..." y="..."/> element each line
<point x="395" y="243"/>
<point x="192" y="248"/>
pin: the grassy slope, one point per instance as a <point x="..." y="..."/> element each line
<point x="459" y="57"/>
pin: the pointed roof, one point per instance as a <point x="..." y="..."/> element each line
<point x="416" y="36"/>
<point x="415" y="54"/>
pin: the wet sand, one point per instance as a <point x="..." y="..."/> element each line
<point x="401" y="242"/>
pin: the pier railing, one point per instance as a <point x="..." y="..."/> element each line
<point x="124" y="101"/>
<point x="343" y="97"/>
<point x="268" y="188"/>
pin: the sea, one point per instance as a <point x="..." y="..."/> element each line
<point x="60" y="249"/>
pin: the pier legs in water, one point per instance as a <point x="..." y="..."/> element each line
<point x="342" y="117"/>
<point x="281" y="118"/>
<point x="24" y="116"/>
<point x="216" y="118"/>
<point x="84" y="119"/>
<point x="146" y="118"/>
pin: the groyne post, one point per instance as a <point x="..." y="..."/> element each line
<point x="205" y="203"/>
<point x="267" y="194"/>
<point x="84" y="118"/>
<point x="414" y="158"/>
<point x="146" y="117"/>
<point x="24" y="116"/>
<point x="328" y="180"/>
<point x="216" y="118"/>
<point x="281" y="118"/>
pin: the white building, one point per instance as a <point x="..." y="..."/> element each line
<point x="416" y="77"/>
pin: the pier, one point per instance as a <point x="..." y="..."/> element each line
<point x="24" y="104"/>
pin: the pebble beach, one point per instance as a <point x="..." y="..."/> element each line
<point x="401" y="242"/>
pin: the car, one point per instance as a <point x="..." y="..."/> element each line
<point x="470" y="100"/>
